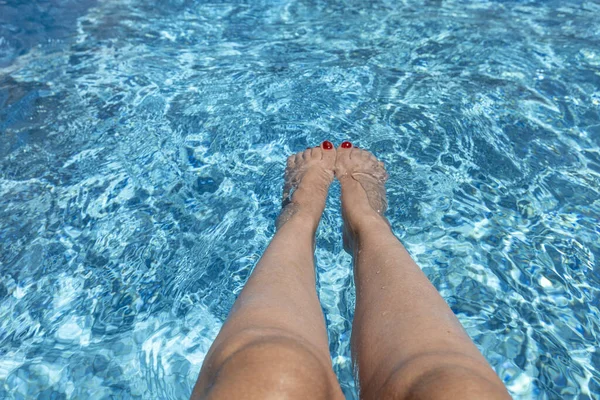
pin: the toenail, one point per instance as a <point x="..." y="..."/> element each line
<point x="327" y="145"/>
<point x="346" y="145"/>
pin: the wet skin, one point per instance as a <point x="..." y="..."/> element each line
<point x="406" y="342"/>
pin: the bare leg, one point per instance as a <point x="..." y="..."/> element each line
<point x="274" y="342"/>
<point x="406" y="342"/>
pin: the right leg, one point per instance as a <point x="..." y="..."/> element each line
<point x="274" y="343"/>
<point x="406" y="342"/>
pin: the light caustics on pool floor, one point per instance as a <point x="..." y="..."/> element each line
<point x="141" y="158"/>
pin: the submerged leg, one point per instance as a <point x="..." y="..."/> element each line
<point x="274" y="342"/>
<point x="406" y="342"/>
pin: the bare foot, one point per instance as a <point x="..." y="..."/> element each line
<point x="307" y="178"/>
<point x="362" y="177"/>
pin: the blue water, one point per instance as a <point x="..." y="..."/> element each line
<point x="141" y="159"/>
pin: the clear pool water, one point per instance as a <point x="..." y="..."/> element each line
<point x="141" y="156"/>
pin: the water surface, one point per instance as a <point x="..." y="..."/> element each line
<point x="141" y="159"/>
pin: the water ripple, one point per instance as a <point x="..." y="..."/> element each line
<point x="141" y="169"/>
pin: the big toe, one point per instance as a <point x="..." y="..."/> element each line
<point x="327" y="153"/>
<point x="343" y="157"/>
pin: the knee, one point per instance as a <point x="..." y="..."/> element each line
<point x="455" y="383"/>
<point x="424" y="380"/>
<point x="259" y="364"/>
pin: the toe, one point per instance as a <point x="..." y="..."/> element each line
<point x="355" y="153"/>
<point x="298" y="159"/>
<point x="307" y="154"/>
<point x="291" y="161"/>
<point x="372" y="157"/>
<point x="342" y="161"/>
<point x="317" y="153"/>
<point x="363" y="155"/>
<point x="343" y="153"/>
<point x="328" y="155"/>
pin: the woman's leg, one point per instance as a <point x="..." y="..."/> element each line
<point x="406" y="342"/>
<point x="274" y="342"/>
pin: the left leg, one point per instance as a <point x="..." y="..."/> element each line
<point x="406" y="341"/>
<point x="274" y="342"/>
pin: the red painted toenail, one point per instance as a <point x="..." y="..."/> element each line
<point x="346" y="145"/>
<point x="327" y="145"/>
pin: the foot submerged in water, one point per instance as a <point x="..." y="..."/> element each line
<point x="307" y="178"/>
<point x="363" y="178"/>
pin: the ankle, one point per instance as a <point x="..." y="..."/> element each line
<point x="301" y="216"/>
<point x="370" y="225"/>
